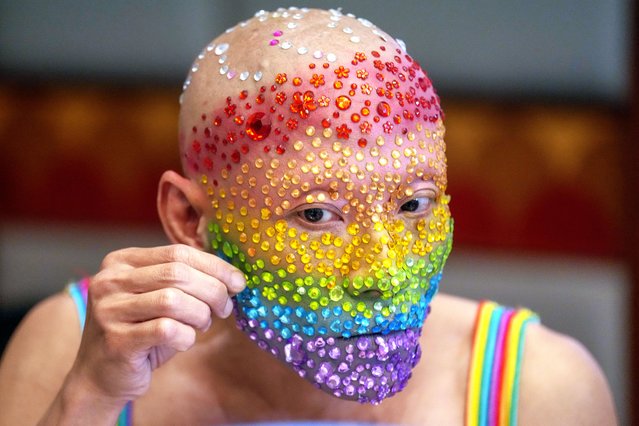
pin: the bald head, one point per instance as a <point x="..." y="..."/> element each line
<point x="293" y="75"/>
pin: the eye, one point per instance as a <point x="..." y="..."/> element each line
<point x="317" y="215"/>
<point x="417" y="205"/>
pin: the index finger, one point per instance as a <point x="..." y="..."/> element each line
<point x="204" y="262"/>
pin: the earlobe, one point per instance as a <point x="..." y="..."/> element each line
<point x="181" y="204"/>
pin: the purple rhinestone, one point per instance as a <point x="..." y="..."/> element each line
<point x="334" y="352"/>
<point x="333" y="381"/>
<point x="325" y="369"/>
<point x="294" y="354"/>
<point x="377" y="371"/>
<point x="310" y="346"/>
<point x="382" y="351"/>
<point x="362" y="343"/>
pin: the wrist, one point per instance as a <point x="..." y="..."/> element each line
<point x="81" y="402"/>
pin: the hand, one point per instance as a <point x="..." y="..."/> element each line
<point x="144" y="306"/>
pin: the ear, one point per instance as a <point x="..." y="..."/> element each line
<point x="181" y="204"/>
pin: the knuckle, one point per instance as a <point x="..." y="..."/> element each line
<point x="168" y="300"/>
<point x="99" y="285"/>
<point x="112" y="259"/>
<point x="165" y="329"/>
<point x="179" y="253"/>
<point x="177" y="272"/>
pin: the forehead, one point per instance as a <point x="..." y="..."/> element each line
<point x="312" y="88"/>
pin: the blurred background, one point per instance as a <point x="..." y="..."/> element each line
<point x="541" y="110"/>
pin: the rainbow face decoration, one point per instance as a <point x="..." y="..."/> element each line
<point x="319" y="141"/>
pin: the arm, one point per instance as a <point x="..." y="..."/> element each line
<point x="561" y="383"/>
<point x="37" y="359"/>
<point x="143" y="307"/>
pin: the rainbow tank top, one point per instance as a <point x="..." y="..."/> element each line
<point x="493" y="379"/>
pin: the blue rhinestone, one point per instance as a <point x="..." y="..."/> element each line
<point x="286" y="333"/>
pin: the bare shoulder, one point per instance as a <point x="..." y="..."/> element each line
<point x="561" y="383"/>
<point x="453" y="316"/>
<point x="38" y="357"/>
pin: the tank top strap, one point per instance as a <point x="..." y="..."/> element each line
<point x="78" y="291"/>
<point x="493" y="378"/>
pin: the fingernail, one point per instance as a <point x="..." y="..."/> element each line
<point x="208" y="325"/>
<point x="228" y="308"/>
<point x="238" y="282"/>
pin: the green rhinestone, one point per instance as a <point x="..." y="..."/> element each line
<point x="226" y="249"/>
<point x="346" y="282"/>
<point x="358" y="282"/>
<point x="313" y="293"/>
<point x="336" y="294"/>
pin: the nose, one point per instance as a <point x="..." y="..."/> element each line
<point x="383" y="247"/>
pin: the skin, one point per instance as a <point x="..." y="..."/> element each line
<point x="165" y="313"/>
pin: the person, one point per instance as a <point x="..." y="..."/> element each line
<point x="308" y="238"/>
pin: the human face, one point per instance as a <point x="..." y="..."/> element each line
<point x="343" y="250"/>
<point x="330" y="196"/>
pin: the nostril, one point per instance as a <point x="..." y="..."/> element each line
<point x="372" y="293"/>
